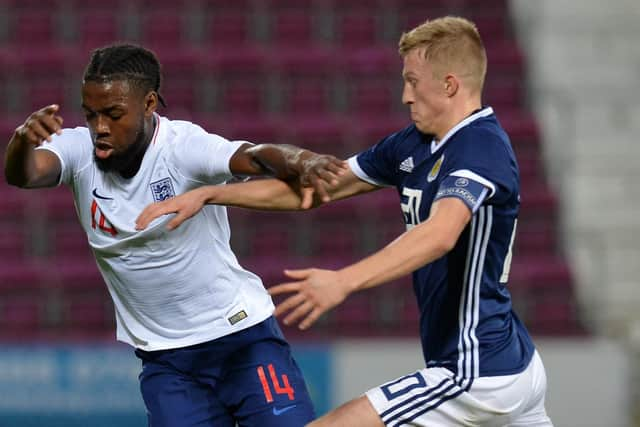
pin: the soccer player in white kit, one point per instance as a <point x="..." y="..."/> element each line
<point x="212" y="353"/>
<point x="457" y="179"/>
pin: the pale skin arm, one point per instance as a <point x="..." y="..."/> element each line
<point x="316" y="291"/>
<point x="263" y="194"/>
<point x="26" y="167"/>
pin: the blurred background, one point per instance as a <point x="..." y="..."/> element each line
<point x="324" y="74"/>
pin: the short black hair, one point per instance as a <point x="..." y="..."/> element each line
<point x="125" y="62"/>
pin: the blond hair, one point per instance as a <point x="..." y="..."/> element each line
<point x="451" y="45"/>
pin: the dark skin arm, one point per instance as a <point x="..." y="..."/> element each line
<point x="292" y="164"/>
<point x="26" y="167"/>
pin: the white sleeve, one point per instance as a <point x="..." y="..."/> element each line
<point x="204" y="157"/>
<point x="74" y="149"/>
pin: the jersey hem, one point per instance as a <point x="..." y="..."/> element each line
<point x="186" y="342"/>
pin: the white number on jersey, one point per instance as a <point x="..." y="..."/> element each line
<point x="411" y="209"/>
<point x="506" y="268"/>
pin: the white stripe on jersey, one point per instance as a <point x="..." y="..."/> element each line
<point x="469" y="311"/>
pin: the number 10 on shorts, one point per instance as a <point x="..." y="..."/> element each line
<point x="284" y="388"/>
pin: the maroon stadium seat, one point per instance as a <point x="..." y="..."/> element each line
<point x="292" y="27"/>
<point x="228" y="28"/>
<point x="163" y="28"/>
<point x="22" y="313"/>
<point x="97" y="28"/>
<point x="357" y="30"/>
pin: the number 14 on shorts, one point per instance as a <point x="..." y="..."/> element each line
<point x="278" y="388"/>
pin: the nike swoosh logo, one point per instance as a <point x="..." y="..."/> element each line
<point x="95" y="194"/>
<point x="281" y="411"/>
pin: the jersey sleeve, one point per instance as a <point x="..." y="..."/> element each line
<point x="204" y="157"/>
<point x="74" y="150"/>
<point x="377" y="165"/>
<point x="481" y="168"/>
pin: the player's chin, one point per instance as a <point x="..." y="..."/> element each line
<point x="106" y="164"/>
<point x="422" y="127"/>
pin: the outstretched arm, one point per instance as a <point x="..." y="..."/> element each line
<point x="263" y="194"/>
<point x="315" y="291"/>
<point x="23" y="165"/>
<point x="291" y="164"/>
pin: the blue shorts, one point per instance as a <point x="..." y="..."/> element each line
<point x="248" y="378"/>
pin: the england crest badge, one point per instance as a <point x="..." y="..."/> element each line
<point x="162" y="190"/>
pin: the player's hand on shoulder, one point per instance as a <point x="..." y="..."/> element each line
<point x="184" y="206"/>
<point x="318" y="173"/>
<point x="40" y="125"/>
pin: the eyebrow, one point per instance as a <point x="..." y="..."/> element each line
<point x="104" y="110"/>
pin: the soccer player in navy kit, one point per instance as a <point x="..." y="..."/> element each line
<point x="458" y="182"/>
<point x="212" y="352"/>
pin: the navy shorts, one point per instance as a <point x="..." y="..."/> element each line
<point x="248" y="378"/>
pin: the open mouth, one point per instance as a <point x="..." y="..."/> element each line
<point x="103" y="149"/>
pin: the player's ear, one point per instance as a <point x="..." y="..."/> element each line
<point x="150" y="102"/>
<point x="451" y="85"/>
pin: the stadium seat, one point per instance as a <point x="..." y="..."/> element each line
<point x="69" y="240"/>
<point x="22" y="313"/>
<point x="323" y="134"/>
<point x="505" y="58"/>
<point x="373" y="98"/>
<point x="292" y="27"/>
<point x="33" y="27"/>
<point x="357" y="30"/>
<point x="224" y="28"/>
<point x="89" y="312"/>
<point x="555" y="318"/>
<point x="73" y="272"/>
<point x="20" y="274"/>
<point x="259" y="129"/>
<point x="242" y="97"/>
<point x="39" y="93"/>
<point x="534" y="239"/>
<point x="356" y="316"/>
<point x="503" y="95"/>
<point x="492" y="26"/>
<point x="341" y="239"/>
<point x="303" y="79"/>
<point x="57" y="204"/>
<point x="270" y="236"/>
<point x="13" y="208"/>
<point x="163" y="28"/>
<point x="97" y="28"/>
<point x="14" y="243"/>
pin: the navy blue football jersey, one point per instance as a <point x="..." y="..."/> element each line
<point x="466" y="320"/>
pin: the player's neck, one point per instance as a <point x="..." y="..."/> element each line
<point x="457" y="114"/>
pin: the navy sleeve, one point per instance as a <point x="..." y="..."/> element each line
<point x="378" y="164"/>
<point x="482" y="156"/>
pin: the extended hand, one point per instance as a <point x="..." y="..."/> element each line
<point x="40" y="125"/>
<point x="315" y="292"/>
<point x="184" y="206"/>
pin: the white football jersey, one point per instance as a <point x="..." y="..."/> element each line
<point x="170" y="288"/>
